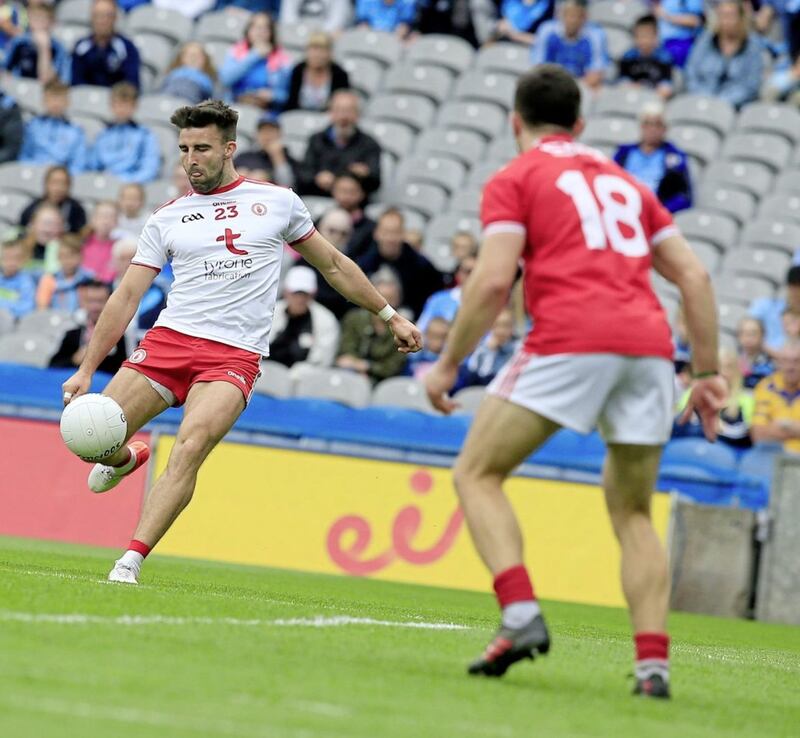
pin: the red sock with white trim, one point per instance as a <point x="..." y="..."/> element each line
<point x="652" y="655"/>
<point x="136" y="553"/>
<point x="516" y="598"/>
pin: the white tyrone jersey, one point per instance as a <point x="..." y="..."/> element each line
<point x="226" y="248"/>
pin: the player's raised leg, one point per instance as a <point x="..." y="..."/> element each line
<point x="629" y="478"/>
<point x="210" y="411"/>
<point x="501" y="437"/>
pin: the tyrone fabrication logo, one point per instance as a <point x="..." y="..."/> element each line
<point x="227" y="269"/>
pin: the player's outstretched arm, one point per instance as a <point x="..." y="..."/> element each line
<point x="344" y="275"/>
<point x="485" y="295"/>
<point x="674" y="260"/>
<point x="113" y="322"/>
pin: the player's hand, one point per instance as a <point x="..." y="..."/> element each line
<point x="407" y="336"/>
<point x="438" y="382"/>
<point x="706" y="398"/>
<point x="78" y="384"/>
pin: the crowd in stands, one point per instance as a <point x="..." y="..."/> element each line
<point x="66" y="255"/>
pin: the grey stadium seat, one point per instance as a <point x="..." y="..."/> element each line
<point x="168" y="146"/>
<point x="780" y="118"/>
<point x="768" y="233"/>
<point x="730" y="313"/>
<point x="385" y="47"/>
<point x="294" y="36"/>
<point x="95" y="186"/>
<point x="217" y="50"/>
<point x="737" y="204"/>
<point x="275" y="380"/>
<point x="74" y="11"/>
<point x="69" y="34"/>
<point x="485" y="118"/>
<point x="447" y="51"/>
<point x="7" y="321"/>
<point x="317" y="205"/>
<point x="21" y="177"/>
<point x="393" y="136"/>
<point x="708" y="226"/>
<point x="610" y="131"/>
<point x="413" y="110"/>
<point x="770" y="149"/>
<point x="616" y="13"/>
<point x="157" y="51"/>
<point x="750" y="176"/>
<point x="469" y="400"/>
<point x="159" y="192"/>
<point x="27" y="349"/>
<point x="365" y="74"/>
<point x="742" y="288"/>
<point x="168" y="23"/>
<point x="221" y="26"/>
<point x="53" y="323"/>
<point x="466" y="146"/>
<point x="438" y="234"/>
<point x="703" y="111"/>
<point x="302" y="123"/>
<point x="429" y="81"/>
<point x="12" y="204"/>
<point x="618" y="41"/>
<point x="766" y="263"/>
<point x="91" y="100"/>
<point x="466" y="202"/>
<point x="26" y="92"/>
<point x="482" y="86"/>
<point x="249" y="115"/>
<point x="623" y="101"/>
<point x="440" y="170"/>
<point x="708" y="253"/>
<point x="502" y="148"/>
<point x="480" y="173"/>
<point x="339" y="385"/>
<point x="777" y="206"/>
<point x="404" y="392"/>
<point x="158" y="108"/>
<point x="91" y="126"/>
<point x="788" y="181"/>
<point x="698" y="141"/>
<point x="424" y="197"/>
<point x="504" y="57"/>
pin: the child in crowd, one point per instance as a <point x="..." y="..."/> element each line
<point x="132" y="212"/>
<point x="490" y="357"/>
<point x="17" y="288"/>
<point x="59" y="291"/>
<point x="192" y="75"/>
<point x="99" y="240"/>
<point x="647" y="64"/>
<point x="40" y="243"/>
<point x="419" y="364"/>
<point x="754" y="361"/>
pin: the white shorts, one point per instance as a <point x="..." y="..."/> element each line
<point x="629" y="398"/>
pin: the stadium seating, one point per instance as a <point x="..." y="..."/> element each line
<point x="405" y="392"/>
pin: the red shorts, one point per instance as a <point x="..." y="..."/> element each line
<point x="177" y="361"/>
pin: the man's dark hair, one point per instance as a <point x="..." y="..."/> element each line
<point x="347" y="174"/>
<point x="646" y="20"/>
<point x="92" y="282"/>
<point x="548" y="96"/>
<point x="208" y="113"/>
<point x="793" y="276"/>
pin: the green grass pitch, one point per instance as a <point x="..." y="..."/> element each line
<point x="206" y="650"/>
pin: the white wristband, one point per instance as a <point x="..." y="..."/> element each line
<point x="387" y="313"/>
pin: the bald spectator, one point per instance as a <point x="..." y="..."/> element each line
<point x="342" y="146"/>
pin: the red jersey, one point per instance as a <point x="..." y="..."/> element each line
<point x="589" y="228"/>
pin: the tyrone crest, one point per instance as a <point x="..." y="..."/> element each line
<point x="259" y="208"/>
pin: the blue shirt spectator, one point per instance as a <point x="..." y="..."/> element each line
<point x="789" y="13"/>
<point x="679" y="24"/>
<point x="383" y="15"/>
<point x="105" y="57"/>
<point x="770" y="310"/>
<point x="17" y="288"/>
<point x="37" y="54"/>
<point x="572" y="42"/>
<point x="520" y="19"/>
<point x="192" y="75"/>
<point x="10" y="128"/>
<point x="727" y="63"/>
<point x="435" y="335"/>
<point x="445" y="303"/>
<point x="254" y="6"/>
<point x="646" y="63"/>
<point x="12" y="23"/>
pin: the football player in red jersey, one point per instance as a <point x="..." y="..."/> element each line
<point x="599" y="354"/>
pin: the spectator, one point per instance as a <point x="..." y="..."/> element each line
<point x="789" y="13"/>
<point x="520" y="19"/>
<point x="331" y="16"/>
<point x="271" y="159"/>
<point x="57" y="183"/>
<point x="92" y="296"/>
<point x="572" y="42"/>
<point x="392" y="16"/>
<point x="315" y="79"/>
<point x="727" y="62"/>
<point x="445" y="303"/>
<point x="10" y="128"/>
<point x="472" y="20"/>
<point x="349" y="194"/>
<point x="776" y="418"/>
<point x="335" y="225"/>
<point x="647" y="63"/>
<point x="343" y="146"/>
<point x="784" y="82"/>
<point x="462" y="245"/>
<point x="12" y="24"/>
<point x="680" y="22"/>
<point x="252" y="6"/>
<point x="367" y="345"/>
<point x="132" y="212"/>
<point x="126" y="149"/>
<point x="17" y="287"/>
<point x="59" y="291"/>
<point x="791" y="324"/>
<point x="36" y="53"/>
<point x="256" y="68"/>
<point x="154" y="299"/>
<point x="51" y="138"/>
<point x="769" y="310"/>
<point x="105" y="57"/>
<point x="190" y="8"/>
<point x="98" y="243"/>
<point x="41" y="240"/>
<point x="492" y="353"/>
<point x="302" y="329"/>
<point x="656" y="162"/>
<point x="736" y="417"/>
<point x="191" y="75"/>
<point x="435" y="336"/>
<point x="418" y="277"/>
<point x="754" y="362"/>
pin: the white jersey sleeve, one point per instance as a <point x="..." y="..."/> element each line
<point x="300" y="226"/>
<point x="151" y="250"/>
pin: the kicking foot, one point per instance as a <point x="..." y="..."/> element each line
<point x="124" y="573"/>
<point x="653" y="686"/>
<point x="103" y="478"/>
<point x="510" y="645"/>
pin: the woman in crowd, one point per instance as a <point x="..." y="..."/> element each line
<point x="57" y="183"/>
<point x="192" y="75"/>
<point x="315" y="78"/>
<point x="40" y="242"/>
<point x="99" y="240"/>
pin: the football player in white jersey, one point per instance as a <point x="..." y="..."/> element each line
<point x="225" y="238"/>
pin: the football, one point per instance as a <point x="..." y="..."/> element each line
<point x="93" y="426"/>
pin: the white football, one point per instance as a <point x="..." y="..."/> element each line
<point x="93" y="426"/>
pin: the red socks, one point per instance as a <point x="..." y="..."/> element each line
<point x="139" y="547"/>
<point x="652" y="655"/>
<point x="513" y="585"/>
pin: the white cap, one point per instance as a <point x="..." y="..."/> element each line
<point x="301" y="279"/>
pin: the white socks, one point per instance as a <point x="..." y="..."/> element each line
<point x="518" y="614"/>
<point x="132" y="559"/>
